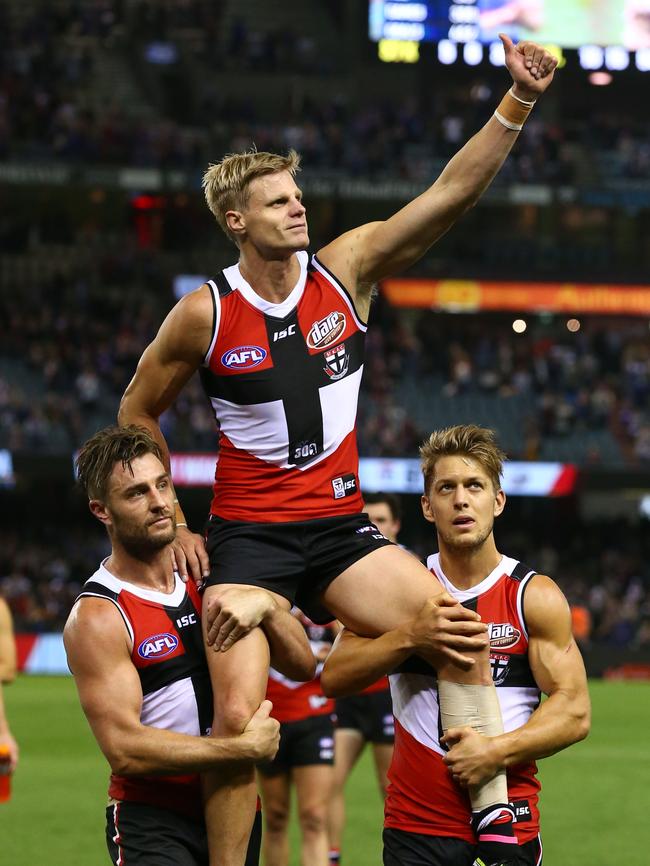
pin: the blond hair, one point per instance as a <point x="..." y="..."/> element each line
<point x="112" y="445"/>
<point x="466" y="440"/>
<point x="226" y="183"/>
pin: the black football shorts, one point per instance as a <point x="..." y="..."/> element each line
<point x="370" y="714"/>
<point x="418" y="849"/>
<point x="138" y="834"/>
<point x="297" y="560"/>
<point x="302" y="744"/>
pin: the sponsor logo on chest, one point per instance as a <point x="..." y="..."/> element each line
<point x="158" y="646"/>
<point x="326" y="331"/>
<point x="503" y="635"/>
<point x="243" y="357"/>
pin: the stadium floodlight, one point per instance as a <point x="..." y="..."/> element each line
<point x="617" y="58"/>
<point x="472" y="53"/>
<point x="497" y="54"/>
<point x="642" y="59"/>
<point x="447" y="51"/>
<point x="591" y="56"/>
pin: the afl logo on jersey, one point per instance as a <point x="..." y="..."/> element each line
<point x="503" y="635"/>
<point x="157" y="646"/>
<point x="326" y="331"/>
<point x="243" y="357"/>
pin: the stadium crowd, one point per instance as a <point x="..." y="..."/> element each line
<point x="603" y="570"/>
<point x="52" y="104"/>
<point x="69" y="352"/>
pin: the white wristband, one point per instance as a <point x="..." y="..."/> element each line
<point x="516" y="127"/>
<point x="519" y="99"/>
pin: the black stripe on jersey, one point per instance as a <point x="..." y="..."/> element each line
<point x="519" y="674"/>
<point x="523" y="603"/>
<point x="337" y="282"/>
<point x="190" y="664"/>
<point x="93" y="589"/>
<point x="415" y="665"/>
<point x="295" y="379"/>
<point x="203" y="692"/>
<point x="300" y="383"/>
<point x="521" y="570"/>
<point x="223" y="286"/>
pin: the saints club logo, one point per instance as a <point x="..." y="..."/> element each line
<point x="337" y="362"/>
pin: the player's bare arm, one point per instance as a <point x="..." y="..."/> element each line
<point x="234" y="611"/>
<point x="560" y="721"/>
<point x="440" y="627"/>
<point x="7" y="675"/>
<point x="377" y="250"/>
<point x="98" y="650"/>
<point x="164" y="368"/>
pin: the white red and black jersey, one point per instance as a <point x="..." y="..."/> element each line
<point x="167" y="651"/>
<point x="294" y="701"/>
<point x="422" y="798"/>
<point x="283" y="380"/>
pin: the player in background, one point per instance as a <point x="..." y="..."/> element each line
<point x="304" y="760"/>
<point x="278" y="338"/>
<point x="366" y="718"/>
<point x="532" y="650"/>
<point x="7" y="675"/>
<point x="135" y="648"/>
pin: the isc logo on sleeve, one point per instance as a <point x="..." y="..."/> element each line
<point x="243" y="357"/>
<point x="157" y="646"/>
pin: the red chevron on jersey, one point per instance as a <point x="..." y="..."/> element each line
<point x="283" y="380"/>
<point x="422" y="798"/>
<point x="167" y="650"/>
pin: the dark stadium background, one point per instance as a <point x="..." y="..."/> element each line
<point x="109" y="113"/>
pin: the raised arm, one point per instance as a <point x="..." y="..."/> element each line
<point x="377" y="250"/>
<point x="98" y="650"/>
<point x="559" y="721"/>
<point x="164" y="368"/>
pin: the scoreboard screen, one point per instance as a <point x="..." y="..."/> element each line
<point x="565" y="23"/>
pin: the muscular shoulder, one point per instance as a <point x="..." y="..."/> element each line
<point x="94" y="628"/>
<point x="186" y="332"/>
<point x="545" y="607"/>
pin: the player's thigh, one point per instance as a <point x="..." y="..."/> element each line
<point x="275" y="789"/>
<point x="418" y="849"/>
<point x="144" y="835"/>
<point x="348" y="746"/>
<point x="380" y="591"/>
<point x="313" y="788"/>
<point x="382" y="754"/>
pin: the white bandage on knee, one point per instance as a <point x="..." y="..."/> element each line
<point x="477" y="706"/>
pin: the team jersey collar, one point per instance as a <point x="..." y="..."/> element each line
<point x="279" y="311"/>
<point x="504" y="566"/>
<point x="110" y="581"/>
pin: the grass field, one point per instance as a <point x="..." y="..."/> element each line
<point x="594" y="800"/>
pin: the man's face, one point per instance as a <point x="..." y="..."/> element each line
<point x="275" y="219"/>
<point x="462" y="502"/>
<point x="139" y="510"/>
<point x="381" y="515"/>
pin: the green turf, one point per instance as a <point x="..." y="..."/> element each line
<point x="594" y="796"/>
